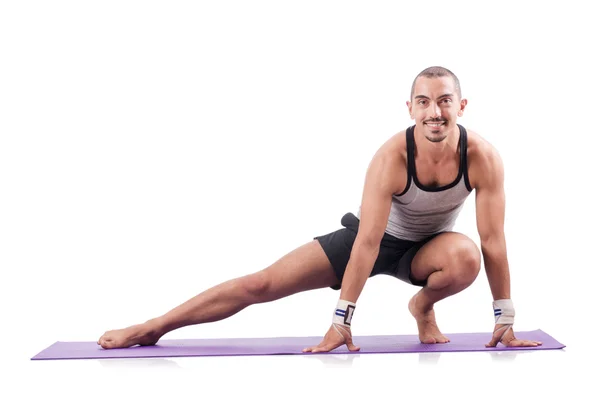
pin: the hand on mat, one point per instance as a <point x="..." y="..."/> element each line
<point x="335" y="337"/>
<point x="504" y="334"/>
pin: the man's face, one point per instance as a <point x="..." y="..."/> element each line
<point x="435" y="106"/>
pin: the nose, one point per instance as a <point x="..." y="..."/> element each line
<point x="434" y="111"/>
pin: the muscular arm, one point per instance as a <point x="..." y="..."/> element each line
<point x="380" y="184"/>
<point x="490" y="223"/>
<point x="490" y="209"/>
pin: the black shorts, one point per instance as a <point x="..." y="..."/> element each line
<point x="394" y="259"/>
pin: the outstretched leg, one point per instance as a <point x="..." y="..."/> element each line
<point x="450" y="263"/>
<point x="303" y="269"/>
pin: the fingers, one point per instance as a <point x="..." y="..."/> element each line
<point x="502" y="333"/>
<point x="324" y="346"/>
<point x="495" y="339"/>
<point x="347" y="335"/>
<point x="523" y="343"/>
<point x="327" y="347"/>
<point x="314" y="349"/>
<point x="334" y="338"/>
<point x="514" y="343"/>
<point x="321" y="348"/>
<point x="352" y="347"/>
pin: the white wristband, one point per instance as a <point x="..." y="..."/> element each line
<point x="504" y="312"/>
<point x="343" y="312"/>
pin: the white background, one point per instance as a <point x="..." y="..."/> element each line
<point x="150" y="150"/>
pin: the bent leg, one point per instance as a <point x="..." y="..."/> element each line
<point x="305" y="268"/>
<point x="449" y="263"/>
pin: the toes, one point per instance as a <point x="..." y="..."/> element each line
<point x="106" y="343"/>
<point x="434" y="339"/>
<point x="103" y="338"/>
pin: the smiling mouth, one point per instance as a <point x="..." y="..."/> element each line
<point x="436" y="124"/>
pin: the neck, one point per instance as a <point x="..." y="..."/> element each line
<point x="436" y="151"/>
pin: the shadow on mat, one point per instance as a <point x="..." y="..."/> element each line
<point x="346" y="360"/>
<point x="429" y="358"/>
<point x="334" y="360"/>
<point x="138" y="363"/>
<point x="504" y="355"/>
<point x="498" y="356"/>
<point x="329" y="360"/>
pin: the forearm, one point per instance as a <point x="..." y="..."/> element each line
<point x="497" y="270"/>
<point x="360" y="265"/>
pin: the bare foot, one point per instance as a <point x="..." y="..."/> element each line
<point x="428" y="329"/>
<point x="141" y="334"/>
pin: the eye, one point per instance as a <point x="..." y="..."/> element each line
<point x="421" y="102"/>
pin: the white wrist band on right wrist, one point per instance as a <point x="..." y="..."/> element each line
<point x="504" y="311"/>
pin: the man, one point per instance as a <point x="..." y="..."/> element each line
<point x="415" y="186"/>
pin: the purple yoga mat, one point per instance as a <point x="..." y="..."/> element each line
<point x="287" y="345"/>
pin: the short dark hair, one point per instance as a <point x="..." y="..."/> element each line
<point x="436" y="71"/>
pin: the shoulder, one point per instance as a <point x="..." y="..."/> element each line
<point x="394" y="148"/>
<point x="485" y="165"/>
<point x="389" y="163"/>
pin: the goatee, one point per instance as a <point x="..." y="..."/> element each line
<point x="436" y="138"/>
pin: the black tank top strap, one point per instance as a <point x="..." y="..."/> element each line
<point x="463" y="155"/>
<point x="410" y="159"/>
<point x="410" y="149"/>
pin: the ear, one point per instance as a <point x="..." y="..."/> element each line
<point x="409" y="105"/>
<point x="463" y="104"/>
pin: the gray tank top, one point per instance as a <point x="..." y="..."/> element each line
<point x="420" y="211"/>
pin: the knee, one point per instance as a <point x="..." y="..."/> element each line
<point x="256" y="286"/>
<point x="466" y="262"/>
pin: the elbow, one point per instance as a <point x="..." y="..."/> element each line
<point x="493" y="241"/>
<point x="494" y="250"/>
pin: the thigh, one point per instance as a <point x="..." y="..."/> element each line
<point x="305" y="268"/>
<point x="440" y="251"/>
